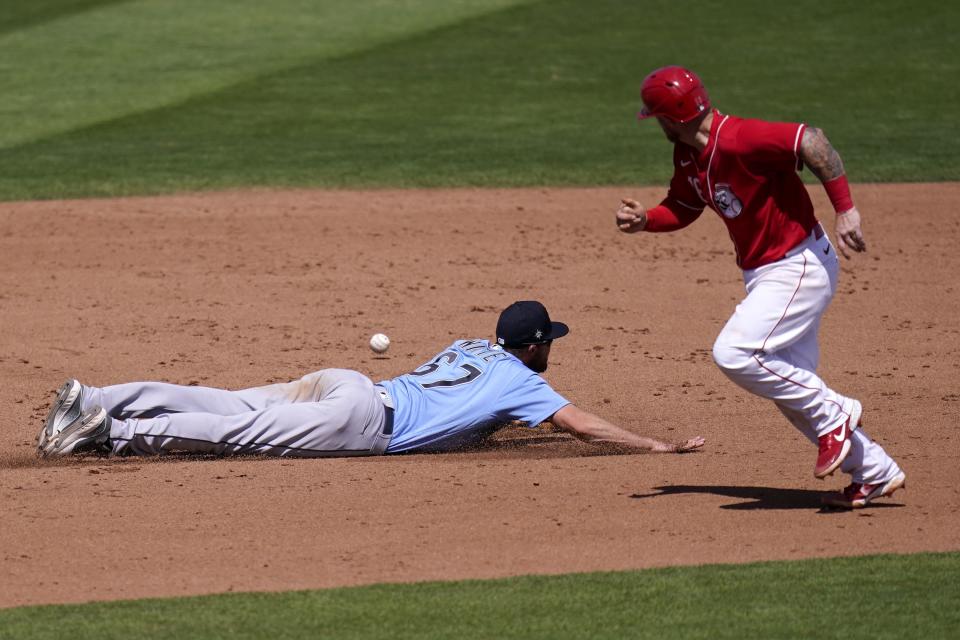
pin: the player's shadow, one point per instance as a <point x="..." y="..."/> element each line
<point x="544" y="442"/>
<point x="758" y="497"/>
<point x="531" y="447"/>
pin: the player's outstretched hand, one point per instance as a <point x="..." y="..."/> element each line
<point x="849" y="234"/>
<point x="631" y="216"/>
<point x="681" y="447"/>
<point x="690" y="445"/>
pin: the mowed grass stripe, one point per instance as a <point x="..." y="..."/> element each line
<point x="118" y="58"/>
<point x="18" y="14"/>
<point x="862" y="597"/>
<point x="541" y="94"/>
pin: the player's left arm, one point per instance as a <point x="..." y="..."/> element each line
<point x="591" y="428"/>
<point x="823" y="160"/>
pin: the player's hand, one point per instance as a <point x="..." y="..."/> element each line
<point x="680" y="447"/>
<point x="689" y="445"/>
<point x="849" y="234"/>
<point x="631" y="216"/>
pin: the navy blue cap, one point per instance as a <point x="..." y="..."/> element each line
<point x="527" y="322"/>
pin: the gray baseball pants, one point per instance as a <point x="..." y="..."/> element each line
<point x="332" y="412"/>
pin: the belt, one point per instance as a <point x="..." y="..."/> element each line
<point x="387" y="421"/>
<point x="816" y="234"/>
<point x="387" y="410"/>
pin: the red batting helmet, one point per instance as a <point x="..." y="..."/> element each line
<point x="673" y="92"/>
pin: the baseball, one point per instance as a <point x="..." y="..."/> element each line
<point x="379" y="343"/>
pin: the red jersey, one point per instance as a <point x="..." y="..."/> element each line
<point x="747" y="173"/>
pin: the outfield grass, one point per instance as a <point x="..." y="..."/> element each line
<point x="74" y="68"/>
<point x="873" y="597"/>
<point x="23" y="14"/>
<point x="150" y="96"/>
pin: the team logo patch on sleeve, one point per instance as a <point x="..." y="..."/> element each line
<point x="726" y="201"/>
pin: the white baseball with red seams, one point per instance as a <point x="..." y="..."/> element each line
<point x="379" y="343"/>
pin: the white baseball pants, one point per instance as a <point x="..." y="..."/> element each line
<point x="333" y="412"/>
<point x="769" y="347"/>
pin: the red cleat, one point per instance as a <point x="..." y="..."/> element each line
<point x="835" y="446"/>
<point x="857" y="496"/>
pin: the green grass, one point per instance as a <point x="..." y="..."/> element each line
<point x="151" y="96"/>
<point x="871" y="597"/>
<point x="93" y="62"/>
<point x="19" y="15"/>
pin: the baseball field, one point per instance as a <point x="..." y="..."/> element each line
<point x="230" y="193"/>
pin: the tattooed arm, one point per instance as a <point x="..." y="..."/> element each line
<point x="817" y="153"/>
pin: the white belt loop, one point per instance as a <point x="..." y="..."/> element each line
<point x="384" y="396"/>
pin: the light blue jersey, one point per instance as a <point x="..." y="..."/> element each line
<point x="464" y="394"/>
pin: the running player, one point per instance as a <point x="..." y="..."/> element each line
<point x="458" y="398"/>
<point x="746" y="171"/>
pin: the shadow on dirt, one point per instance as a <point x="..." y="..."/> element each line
<point x="759" y="497"/>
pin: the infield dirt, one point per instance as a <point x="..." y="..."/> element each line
<point x="240" y="289"/>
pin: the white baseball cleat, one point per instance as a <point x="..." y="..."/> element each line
<point x="88" y="433"/>
<point x="65" y="409"/>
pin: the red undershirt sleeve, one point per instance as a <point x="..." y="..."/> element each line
<point x="682" y="205"/>
<point x="671" y="215"/>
